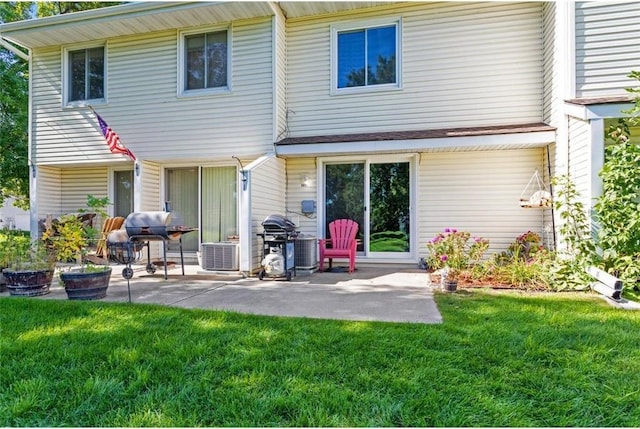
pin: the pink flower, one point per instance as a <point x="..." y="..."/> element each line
<point x="444" y="258"/>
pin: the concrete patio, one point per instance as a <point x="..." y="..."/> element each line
<point x="372" y="293"/>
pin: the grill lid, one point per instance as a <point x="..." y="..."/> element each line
<point x="149" y="223"/>
<point x="278" y="223"/>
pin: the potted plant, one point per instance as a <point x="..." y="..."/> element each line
<point x="452" y="252"/>
<point x="70" y="241"/>
<point x="30" y="268"/>
<point x="9" y="239"/>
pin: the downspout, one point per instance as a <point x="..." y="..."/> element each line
<point x="33" y="213"/>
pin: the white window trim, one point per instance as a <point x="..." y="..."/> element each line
<point x="65" y="75"/>
<point x="360" y="25"/>
<point x="184" y="93"/>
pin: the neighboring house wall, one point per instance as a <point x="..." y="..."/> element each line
<point x="478" y="192"/>
<point x="607" y="48"/>
<point x="12" y="217"/>
<point x="145" y="111"/>
<point x="464" y="65"/>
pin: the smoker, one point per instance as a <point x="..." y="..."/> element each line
<point x="139" y="229"/>
<point x="278" y="248"/>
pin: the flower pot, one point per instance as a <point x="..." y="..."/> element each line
<point x="449" y="285"/>
<point x="28" y="283"/>
<point x="86" y="285"/>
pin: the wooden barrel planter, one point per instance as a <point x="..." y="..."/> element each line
<point x="3" y="284"/>
<point x="86" y="285"/>
<point x="449" y="285"/>
<point x="28" y="283"/>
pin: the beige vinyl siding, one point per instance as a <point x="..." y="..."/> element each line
<point x="280" y="79"/>
<point x="478" y="192"/>
<point x="554" y="58"/>
<point x="267" y="197"/>
<point x="296" y="193"/>
<point x="464" y="64"/>
<point x="580" y="158"/>
<point x="150" y="189"/>
<point x="49" y="194"/>
<point x="607" y="47"/>
<point x="145" y="110"/>
<point x="78" y="183"/>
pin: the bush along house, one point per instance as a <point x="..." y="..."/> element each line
<point x="406" y="117"/>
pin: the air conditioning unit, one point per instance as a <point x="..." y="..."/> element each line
<point x="221" y="256"/>
<point x="305" y="253"/>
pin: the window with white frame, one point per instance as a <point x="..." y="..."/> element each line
<point x="205" y="59"/>
<point x="85" y="70"/>
<point x="367" y="56"/>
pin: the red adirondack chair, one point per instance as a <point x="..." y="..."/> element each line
<point x="342" y="243"/>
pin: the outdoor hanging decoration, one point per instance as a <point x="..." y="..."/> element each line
<point x="539" y="197"/>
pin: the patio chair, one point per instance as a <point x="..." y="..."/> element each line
<point x="342" y="243"/>
<point x="110" y="224"/>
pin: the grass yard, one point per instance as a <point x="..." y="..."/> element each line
<point x="508" y="359"/>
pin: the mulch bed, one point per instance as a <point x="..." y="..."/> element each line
<point x="466" y="281"/>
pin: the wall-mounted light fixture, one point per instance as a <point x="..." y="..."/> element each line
<point x="243" y="173"/>
<point x="305" y="181"/>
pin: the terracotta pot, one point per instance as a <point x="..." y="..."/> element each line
<point x="86" y="285"/>
<point x="28" y="283"/>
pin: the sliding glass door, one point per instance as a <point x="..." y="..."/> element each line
<point x="377" y="195"/>
<point x="204" y="197"/>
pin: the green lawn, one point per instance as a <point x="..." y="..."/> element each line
<point x="508" y="359"/>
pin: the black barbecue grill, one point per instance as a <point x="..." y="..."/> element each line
<point x="139" y="229"/>
<point x="278" y="239"/>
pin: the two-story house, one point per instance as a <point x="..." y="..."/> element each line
<point x="408" y="117"/>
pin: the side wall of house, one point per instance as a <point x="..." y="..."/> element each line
<point x="150" y="187"/>
<point x="475" y="191"/>
<point x="48" y="189"/>
<point x="280" y="78"/>
<point x="478" y="192"/>
<point x="463" y="65"/>
<point x="267" y="197"/>
<point x="145" y="110"/>
<point x="77" y="183"/>
<point x="607" y="48"/>
<point x="580" y="158"/>
<point x="553" y="58"/>
<point x="297" y="191"/>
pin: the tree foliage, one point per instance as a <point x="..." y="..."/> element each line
<point x="14" y="101"/>
<point x="618" y="208"/>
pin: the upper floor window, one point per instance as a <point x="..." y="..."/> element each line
<point x="86" y="74"/>
<point x="205" y="60"/>
<point x="368" y="56"/>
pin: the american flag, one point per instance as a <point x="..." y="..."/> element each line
<point x="113" y="141"/>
